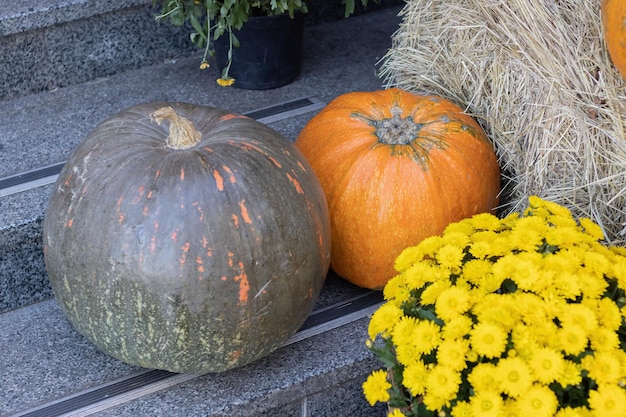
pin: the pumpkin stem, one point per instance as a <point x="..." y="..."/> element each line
<point x="183" y="134"/>
<point x="397" y="130"/>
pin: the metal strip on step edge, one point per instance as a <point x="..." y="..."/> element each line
<point x="40" y="177"/>
<point x="145" y="382"/>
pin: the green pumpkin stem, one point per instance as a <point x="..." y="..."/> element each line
<point x="183" y="134"/>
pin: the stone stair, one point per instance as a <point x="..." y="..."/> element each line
<point x="66" y="65"/>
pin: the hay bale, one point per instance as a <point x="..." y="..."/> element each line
<point x="537" y="76"/>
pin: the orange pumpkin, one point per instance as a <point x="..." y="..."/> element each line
<point x="396" y="168"/>
<point x="614" y="28"/>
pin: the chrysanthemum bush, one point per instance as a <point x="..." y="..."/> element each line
<point x="519" y="316"/>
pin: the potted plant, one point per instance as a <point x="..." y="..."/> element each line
<point x="218" y="27"/>
<point x="520" y="316"/>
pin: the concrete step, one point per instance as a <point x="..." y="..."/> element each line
<point x="50" y="44"/>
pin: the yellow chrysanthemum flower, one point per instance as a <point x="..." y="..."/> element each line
<point x="608" y="401"/>
<point x="524" y="238"/>
<point x="455" y="237"/>
<point x="452" y="353"/>
<point x="573" y="412"/>
<point x="452" y="302"/>
<point x="486" y="236"/>
<point x="591" y="228"/>
<point x="483" y="378"/>
<point x="430" y="245"/>
<point x="432" y="293"/>
<point x="450" y="257"/>
<point x="619" y="269"/>
<point x="383" y="320"/>
<point x="547" y="365"/>
<point x="515" y="376"/>
<point x="539" y="401"/>
<point x="395" y="413"/>
<point x="608" y="314"/>
<point x="526" y="271"/>
<point x="486" y="404"/>
<point x="571" y="374"/>
<point x="419" y="274"/>
<point x="443" y="383"/>
<point x="407" y="353"/>
<point x="579" y="314"/>
<point x="464" y="227"/>
<point x="488" y="339"/>
<point x="563" y="237"/>
<point x="475" y="269"/>
<point x="597" y="263"/>
<point x="396" y="290"/>
<point x="572" y="339"/>
<point x="225" y="82"/>
<point x="414" y="378"/>
<point x="485" y="221"/>
<point x="462" y="409"/>
<point x="480" y="250"/>
<point x="427" y="336"/>
<point x="593" y="286"/>
<point x="408" y="257"/>
<point x="403" y="330"/>
<point x="376" y="387"/>
<point x="435" y="403"/>
<point x="604" y="367"/>
<point x="456" y="328"/>
<point x="604" y="340"/>
<point x="499" y="309"/>
<point x="510" y="408"/>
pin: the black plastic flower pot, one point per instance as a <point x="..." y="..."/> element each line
<point x="269" y="55"/>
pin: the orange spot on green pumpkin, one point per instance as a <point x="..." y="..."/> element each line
<point x="200" y="267"/>
<point x="231" y="177"/>
<point x="182" y="174"/>
<point x="224" y="278"/>
<point x="231" y="116"/>
<point x="278" y="165"/>
<point x="234" y="356"/>
<point x="244" y="212"/>
<point x="295" y="184"/>
<point x="244" y="285"/>
<point x="186" y="247"/>
<point x="219" y="181"/>
<point x="235" y="219"/>
<point x="120" y="215"/>
<point x="69" y="223"/>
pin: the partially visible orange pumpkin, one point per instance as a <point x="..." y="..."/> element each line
<point x="614" y="28"/>
<point x="396" y="168"/>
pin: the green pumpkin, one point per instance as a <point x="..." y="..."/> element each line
<point x="186" y="238"/>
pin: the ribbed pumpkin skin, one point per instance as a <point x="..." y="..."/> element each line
<point x="614" y="28"/>
<point x="384" y="197"/>
<point x="196" y="260"/>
